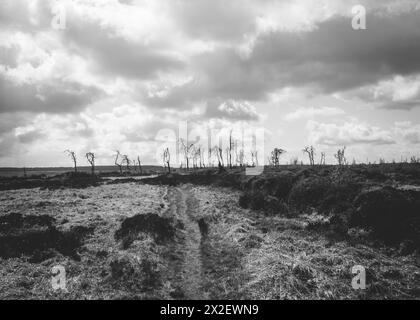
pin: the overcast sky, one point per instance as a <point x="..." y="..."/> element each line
<point x="118" y="72"/>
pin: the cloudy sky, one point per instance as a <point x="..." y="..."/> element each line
<point x="116" y="74"/>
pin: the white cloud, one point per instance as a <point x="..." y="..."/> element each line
<point x="233" y="110"/>
<point x="408" y="132"/>
<point x="398" y="92"/>
<point x="312" y="112"/>
<point x="347" y="133"/>
<point x="121" y="70"/>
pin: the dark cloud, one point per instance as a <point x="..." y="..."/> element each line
<point x="19" y="15"/>
<point x="335" y="57"/>
<point x="331" y="58"/>
<point x="9" y="121"/>
<point x="30" y="136"/>
<point x="400" y="105"/>
<point x="179" y="97"/>
<point x="115" y="56"/>
<point x="216" y="19"/>
<point x="7" y="144"/>
<point x="60" y="97"/>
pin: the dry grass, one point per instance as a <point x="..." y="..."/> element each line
<point x="103" y="208"/>
<point x="245" y="255"/>
<point x="279" y="258"/>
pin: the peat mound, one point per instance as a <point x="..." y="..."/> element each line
<point x="161" y="229"/>
<point x="38" y="238"/>
<point x="67" y="180"/>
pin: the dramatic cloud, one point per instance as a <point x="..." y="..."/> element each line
<point x="58" y="98"/>
<point x="119" y="72"/>
<point x="118" y="56"/>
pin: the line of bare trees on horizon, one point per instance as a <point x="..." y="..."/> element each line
<point x="121" y="161"/>
<point x="233" y="156"/>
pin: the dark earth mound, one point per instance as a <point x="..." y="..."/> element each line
<point x="339" y="193"/>
<point x="37" y="237"/>
<point x="393" y="214"/>
<point x="66" y="180"/>
<point x="160" y="228"/>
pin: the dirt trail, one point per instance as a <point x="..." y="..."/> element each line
<point x="186" y="252"/>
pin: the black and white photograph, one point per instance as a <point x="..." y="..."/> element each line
<point x="237" y="151"/>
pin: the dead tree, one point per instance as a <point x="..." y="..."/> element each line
<point x="229" y="150"/>
<point x="127" y="162"/>
<point x="322" y="162"/>
<point x="139" y="164"/>
<point x="227" y="156"/>
<point x="118" y="164"/>
<point x="341" y="159"/>
<point x="254" y="158"/>
<point x="90" y="157"/>
<point x="167" y="159"/>
<point x="202" y="162"/>
<point x="194" y="157"/>
<point x="219" y="153"/>
<point x="186" y="149"/>
<point x="72" y="155"/>
<point x="210" y="155"/>
<point x="311" y="154"/>
<point x="241" y="157"/>
<point x="197" y="157"/>
<point x="275" y="156"/>
<point x="414" y="159"/>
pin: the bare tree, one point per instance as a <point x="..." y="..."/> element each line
<point x="72" y="155"/>
<point x="219" y="153"/>
<point x="229" y="150"/>
<point x="341" y="157"/>
<point x="275" y="156"/>
<point x="241" y="158"/>
<point x="322" y="162"/>
<point x="202" y="162"/>
<point x="210" y="155"/>
<point x="311" y="154"/>
<point x="254" y="158"/>
<point x="139" y="164"/>
<point x="194" y="157"/>
<point x="197" y="157"/>
<point x="90" y="156"/>
<point x="227" y="156"/>
<point x="167" y="159"/>
<point x="127" y="162"/>
<point x="118" y="164"/>
<point x="186" y="149"/>
<point x="240" y="154"/>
